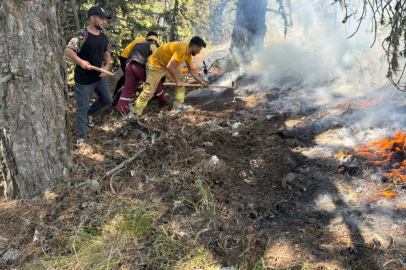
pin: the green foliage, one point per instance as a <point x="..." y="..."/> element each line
<point x="171" y="19"/>
<point x="135" y="222"/>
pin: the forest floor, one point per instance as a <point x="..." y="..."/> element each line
<point x="264" y="205"/>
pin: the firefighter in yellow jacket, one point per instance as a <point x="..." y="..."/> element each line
<point x="163" y="62"/>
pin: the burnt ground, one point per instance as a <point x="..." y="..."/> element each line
<point x="264" y="205"/>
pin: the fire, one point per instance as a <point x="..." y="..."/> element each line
<point x="342" y="106"/>
<point x="389" y="193"/>
<point x="366" y="103"/>
<point x="357" y="106"/>
<point x="388" y="153"/>
<point x="340" y="155"/>
<point x="185" y="70"/>
<point x="298" y="105"/>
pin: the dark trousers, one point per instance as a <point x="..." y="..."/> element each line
<point x="135" y="74"/>
<point x="121" y="81"/>
<point x="83" y="96"/>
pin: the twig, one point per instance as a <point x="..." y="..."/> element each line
<point x="73" y="244"/>
<point x="111" y="182"/>
<point x="388" y="262"/>
<point x="118" y="167"/>
<point x="153" y="138"/>
<point x="6" y="79"/>
<point x="387" y="188"/>
<point x="360" y="21"/>
<point x="199" y="233"/>
<point x="154" y="130"/>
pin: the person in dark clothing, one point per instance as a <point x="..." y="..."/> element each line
<point x="123" y="59"/>
<point x="90" y="48"/>
<point x="135" y="71"/>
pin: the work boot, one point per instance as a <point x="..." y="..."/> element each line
<point x="182" y="108"/>
<point x="79" y="142"/>
<point x="90" y="122"/>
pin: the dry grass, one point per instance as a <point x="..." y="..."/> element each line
<point x="129" y="240"/>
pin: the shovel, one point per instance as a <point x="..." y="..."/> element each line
<point x="201" y="85"/>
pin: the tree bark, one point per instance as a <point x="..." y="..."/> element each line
<point x="35" y="147"/>
<point x="75" y="14"/>
<point x="173" y="30"/>
<point x="249" y="28"/>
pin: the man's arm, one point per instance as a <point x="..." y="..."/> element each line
<point x="194" y="74"/>
<point x="172" y="71"/>
<point x="76" y="59"/>
<point x="107" y="60"/>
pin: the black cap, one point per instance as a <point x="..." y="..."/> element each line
<point x="98" y="11"/>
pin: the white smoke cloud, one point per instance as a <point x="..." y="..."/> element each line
<point x="317" y="52"/>
<point x="317" y="67"/>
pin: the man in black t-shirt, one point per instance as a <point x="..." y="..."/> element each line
<point x="91" y="47"/>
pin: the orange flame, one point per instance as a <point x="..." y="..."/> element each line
<point x="383" y="152"/>
<point x="185" y="70"/>
<point x="340" y="154"/>
<point x="366" y="103"/>
<point x="357" y="106"/>
<point x="298" y="105"/>
<point x="389" y="193"/>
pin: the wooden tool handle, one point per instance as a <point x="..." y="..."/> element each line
<point x="102" y="70"/>
<point x="199" y="85"/>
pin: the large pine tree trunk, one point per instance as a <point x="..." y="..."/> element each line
<point x="173" y="30"/>
<point x="249" y="28"/>
<point x="35" y="148"/>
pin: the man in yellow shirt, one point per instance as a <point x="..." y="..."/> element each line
<point x="123" y="59"/>
<point x="163" y="62"/>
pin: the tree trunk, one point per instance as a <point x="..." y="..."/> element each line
<point x="249" y="28"/>
<point x="35" y="147"/>
<point x="173" y="31"/>
<point x="75" y="14"/>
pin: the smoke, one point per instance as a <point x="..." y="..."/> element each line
<point x="337" y="93"/>
<point x="317" y="67"/>
<point x="317" y="52"/>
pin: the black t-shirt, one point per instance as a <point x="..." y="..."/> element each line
<point x="140" y="53"/>
<point x="92" y="50"/>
